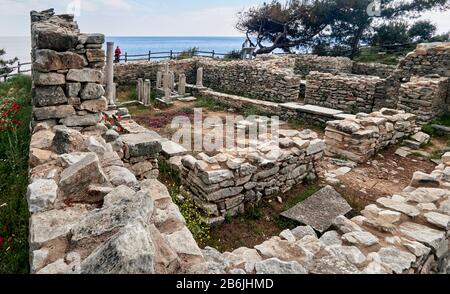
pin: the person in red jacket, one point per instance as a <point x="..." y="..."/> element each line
<point x="117" y="54"/>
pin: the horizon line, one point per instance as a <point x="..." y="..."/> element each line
<point x="131" y="36"/>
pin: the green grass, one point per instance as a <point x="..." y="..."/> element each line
<point x="443" y="120"/>
<point x="14" y="180"/>
<point x="210" y="104"/>
<point x="188" y="53"/>
<point x="370" y="54"/>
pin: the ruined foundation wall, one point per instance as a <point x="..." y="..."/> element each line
<point x="373" y="69"/>
<point x="426" y="59"/>
<point x="361" y="138"/>
<point x="346" y="92"/>
<point x="223" y="185"/>
<point x="306" y="63"/>
<point x="424" y="96"/>
<point x="267" y="78"/>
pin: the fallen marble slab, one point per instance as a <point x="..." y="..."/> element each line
<point x="319" y="210"/>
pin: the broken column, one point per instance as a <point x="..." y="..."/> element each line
<point x="200" y="77"/>
<point x="147" y="92"/>
<point x="109" y="71"/>
<point x="140" y="84"/>
<point x="182" y="85"/>
<point x="158" y="80"/>
<point x="172" y="81"/>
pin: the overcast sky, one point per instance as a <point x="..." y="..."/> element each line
<point x="147" y="18"/>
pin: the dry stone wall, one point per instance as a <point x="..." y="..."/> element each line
<point x="424" y="96"/>
<point x="429" y="58"/>
<point x="373" y="69"/>
<point x="346" y="92"/>
<point x="224" y="184"/>
<point x="95" y="205"/>
<point x="360" y="138"/>
<point x="405" y="233"/>
<point x="260" y="79"/>
<point x="67" y="71"/>
<point x="306" y="63"/>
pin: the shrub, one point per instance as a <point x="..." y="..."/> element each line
<point x="232" y="55"/>
<point x="14" y="146"/>
<point x="188" y="53"/>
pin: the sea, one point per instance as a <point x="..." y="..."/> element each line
<point x="20" y="46"/>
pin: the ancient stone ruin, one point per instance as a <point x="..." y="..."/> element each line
<point x="97" y="205"/>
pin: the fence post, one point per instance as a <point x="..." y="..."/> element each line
<point x="126" y="57"/>
<point x="171" y="54"/>
<point x="213" y="54"/>
<point x="18" y="67"/>
<point x="149" y="55"/>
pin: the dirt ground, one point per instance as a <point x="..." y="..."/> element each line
<point x="385" y="175"/>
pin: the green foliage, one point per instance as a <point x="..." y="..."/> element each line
<point x="443" y="120"/>
<point x="391" y="33"/>
<point x="284" y="223"/>
<point x="232" y="55"/>
<point x="6" y="63"/>
<point x="208" y="103"/>
<point x="422" y="31"/>
<point x="188" y="53"/>
<point x="330" y="23"/>
<point x="14" y="147"/>
<point x="253" y="212"/>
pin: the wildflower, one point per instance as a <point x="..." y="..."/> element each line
<point x="2" y="241"/>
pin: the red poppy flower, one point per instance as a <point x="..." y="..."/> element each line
<point x="2" y="241"/>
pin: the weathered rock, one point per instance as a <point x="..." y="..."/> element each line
<point x="331" y="238"/>
<point x="41" y="195"/>
<point x="67" y="141"/>
<point x="207" y="268"/>
<point x="42" y="139"/>
<point x="396" y="259"/>
<point x="95" y="55"/>
<point x="274" y="266"/>
<point x="93" y="145"/>
<point x="399" y="206"/>
<point x="82" y="120"/>
<point x="111" y="136"/>
<point x="438" y="219"/>
<point x="52" y="36"/>
<point x="303" y="231"/>
<point x="187" y="249"/>
<point x="171" y="149"/>
<point x="39" y="157"/>
<point x="120" y="176"/>
<point x="48" y="79"/>
<point x="427" y="195"/>
<point x="76" y="179"/>
<point x="430" y="237"/>
<point x="331" y="264"/>
<point x="130" y="209"/>
<point x="53" y="224"/>
<point x="320" y="209"/>
<point x="130" y="251"/>
<point x="216" y="176"/>
<point x="38" y="258"/>
<point x="144" y="144"/>
<point x="349" y="253"/>
<point x="69" y="265"/>
<point x="49" y="60"/>
<point x="97" y="105"/>
<point x="45" y="113"/>
<point x="85" y="75"/>
<point x="361" y="238"/>
<point x="421" y="179"/>
<point x="92" y="91"/>
<point x="73" y="89"/>
<point x="288" y="236"/>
